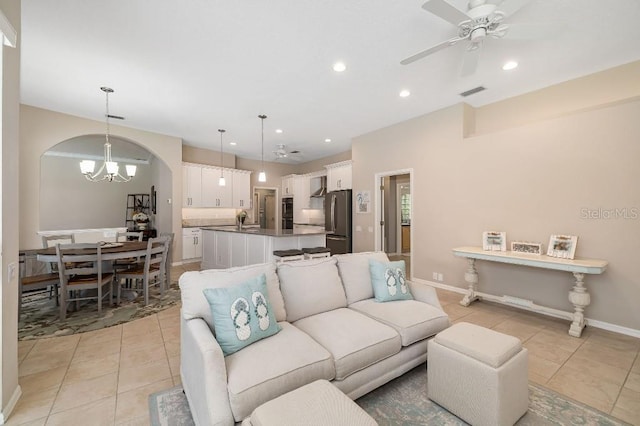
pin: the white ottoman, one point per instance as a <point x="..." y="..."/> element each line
<point x="480" y="375"/>
<point x="317" y="404"/>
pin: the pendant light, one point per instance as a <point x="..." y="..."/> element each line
<point x="221" y="181"/>
<point x="262" y="176"/>
<point x="112" y="174"/>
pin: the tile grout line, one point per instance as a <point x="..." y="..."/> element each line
<point x="624" y="382"/>
<point x="115" y="407"/>
<point x="62" y="381"/>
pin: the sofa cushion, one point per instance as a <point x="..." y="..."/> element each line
<point x="241" y="314"/>
<point x="195" y="305"/>
<point x="389" y="281"/>
<point x="355" y="275"/>
<point x="413" y="320"/>
<point x="274" y="366"/>
<point x="354" y="340"/>
<point x="310" y="287"/>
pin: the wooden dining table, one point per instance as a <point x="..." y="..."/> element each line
<point x="110" y="251"/>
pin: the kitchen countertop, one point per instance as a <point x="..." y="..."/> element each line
<point x="267" y="232"/>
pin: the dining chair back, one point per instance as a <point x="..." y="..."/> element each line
<point x="129" y="236"/>
<point x="169" y="260"/>
<point x="52" y="240"/>
<point x="151" y="271"/>
<point x="80" y="269"/>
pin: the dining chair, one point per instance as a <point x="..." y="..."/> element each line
<point x="121" y="264"/>
<point x="80" y="269"/>
<point x="51" y="241"/>
<point x="170" y="236"/>
<point x="151" y="271"/>
<point x="32" y="283"/>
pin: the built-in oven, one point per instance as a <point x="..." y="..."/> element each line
<point x="287" y="213"/>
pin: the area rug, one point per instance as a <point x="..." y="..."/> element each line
<point x="403" y="402"/>
<point x="40" y="316"/>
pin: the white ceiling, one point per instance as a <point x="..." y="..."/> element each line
<point x="188" y="68"/>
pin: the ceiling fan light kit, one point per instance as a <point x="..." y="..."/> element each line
<point x="112" y="169"/>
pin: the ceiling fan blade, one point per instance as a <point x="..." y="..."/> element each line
<point x="531" y="31"/>
<point x="509" y="7"/>
<point x="430" y="50"/>
<point x="446" y="11"/>
<point x="470" y="61"/>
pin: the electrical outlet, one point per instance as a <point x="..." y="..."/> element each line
<point x="435" y="276"/>
<point x="440" y="277"/>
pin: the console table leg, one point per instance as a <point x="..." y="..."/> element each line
<point x="471" y="276"/>
<point x="580" y="299"/>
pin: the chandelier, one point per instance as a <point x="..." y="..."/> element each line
<point x="112" y="174"/>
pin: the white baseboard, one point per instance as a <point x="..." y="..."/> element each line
<point x="556" y="313"/>
<point x="6" y="411"/>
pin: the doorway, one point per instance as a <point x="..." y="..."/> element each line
<point x="264" y="207"/>
<point x="393" y="215"/>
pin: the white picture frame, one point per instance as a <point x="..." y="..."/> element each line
<point x="494" y="241"/>
<point x="526" y="247"/>
<point x="562" y="246"/>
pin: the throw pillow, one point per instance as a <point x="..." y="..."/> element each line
<point x="389" y="281"/>
<point x="241" y="314"/>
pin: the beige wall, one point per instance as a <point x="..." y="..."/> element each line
<point x="41" y="129"/>
<point x="318" y="165"/>
<point x="531" y="176"/>
<point x="10" y="214"/>
<point x="69" y="201"/>
<point x="192" y="154"/>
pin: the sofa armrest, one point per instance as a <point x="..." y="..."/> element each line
<point x="204" y="374"/>
<point x="425" y="293"/>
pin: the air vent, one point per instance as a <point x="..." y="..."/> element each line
<point x="295" y="151"/>
<point x="117" y="117"/>
<point x="472" y="91"/>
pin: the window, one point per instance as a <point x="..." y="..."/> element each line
<point x="405" y="208"/>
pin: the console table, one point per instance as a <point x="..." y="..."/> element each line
<point x="578" y="295"/>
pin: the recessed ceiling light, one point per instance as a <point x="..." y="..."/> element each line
<point x="233" y="143"/>
<point x="510" y="65"/>
<point x="278" y="130"/>
<point x="327" y="140"/>
<point x="339" y="67"/>
<point x="404" y="93"/>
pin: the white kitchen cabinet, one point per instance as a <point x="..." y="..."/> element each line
<point x="191" y="243"/>
<point x="222" y="250"/>
<point x="214" y="195"/>
<point x="339" y="176"/>
<point x="287" y="185"/>
<point x="301" y="194"/>
<point x="191" y="186"/>
<point x="241" y="189"/>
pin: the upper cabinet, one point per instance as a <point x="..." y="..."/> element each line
<point x="339" y="176"/>
<point x="241" y="189"/>
<point x="287" y="185"/>
<point x="200" y="187"/>
<point x="214" y="195"/>
<point x="191" y="185"/>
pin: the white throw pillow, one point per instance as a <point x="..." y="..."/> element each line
<point x="310" y="287"/>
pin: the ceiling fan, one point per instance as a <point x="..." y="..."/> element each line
<point x="483" y="19"/>
<point x="281" y="152"/>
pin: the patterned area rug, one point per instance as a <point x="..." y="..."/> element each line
<point x="403" y="402"/>
<point x="40" y="316"/>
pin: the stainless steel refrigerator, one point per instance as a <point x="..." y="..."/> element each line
<point x="337" y="221"/>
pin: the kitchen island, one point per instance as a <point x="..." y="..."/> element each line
<point x="224" y="247"/>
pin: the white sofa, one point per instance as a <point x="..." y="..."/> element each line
<point x="332" y="329"/>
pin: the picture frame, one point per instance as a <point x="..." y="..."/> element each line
<point x="494" y="241"/>
<point x="363" y="202"/>
<point x="526" y="247"/>
<point x="562" y="246"/>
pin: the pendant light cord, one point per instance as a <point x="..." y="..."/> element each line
<point x="262" y="117"/>
<point x="221" y="153"/>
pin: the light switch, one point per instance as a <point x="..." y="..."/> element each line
<point x="358" y="228"/>
<point x="11" y="271"/>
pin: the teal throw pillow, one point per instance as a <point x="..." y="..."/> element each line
<point x="241" y="314"/>
<point x="389" y="281"/>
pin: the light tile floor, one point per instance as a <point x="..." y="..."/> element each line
<point x="105" y="377"/>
